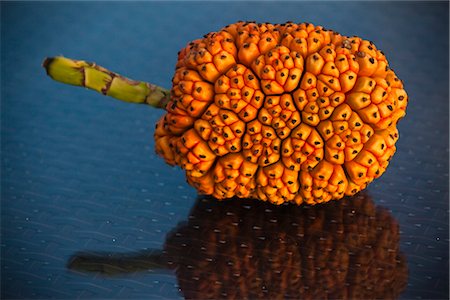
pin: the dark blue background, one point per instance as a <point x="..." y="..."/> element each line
<point x="79" y="172"/>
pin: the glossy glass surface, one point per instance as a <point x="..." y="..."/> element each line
<point x="89" y="211"/>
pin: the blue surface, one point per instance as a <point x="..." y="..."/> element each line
<point x="79" y="172"/>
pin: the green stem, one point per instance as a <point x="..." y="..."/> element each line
<point x="97" y="78"/>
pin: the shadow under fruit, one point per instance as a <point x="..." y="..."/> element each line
<point x="245" y="249"/>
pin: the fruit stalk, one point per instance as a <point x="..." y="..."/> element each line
<point x="97" y="78"/>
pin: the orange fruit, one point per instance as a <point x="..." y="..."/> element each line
<point x="282" y="113"/>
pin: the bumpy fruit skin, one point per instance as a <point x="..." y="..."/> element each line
<point x="347" y="249"/>
<point x="281" y="113"/>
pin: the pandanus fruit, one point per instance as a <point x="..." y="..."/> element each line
<point x="244" y="249"/>
<point x="276" y="112"/>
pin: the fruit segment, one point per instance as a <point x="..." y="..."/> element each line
<point x="277" y="184"/>
<point x="303" y="149"/>
<point x="261" y="145"/>
<point x="239" y="90"/>
<point x="193" y="154"/>
<point x="326" y="182"/>
<point x="165" y="141"/>
<point x="191" y="93"/>
<point x="280" y="113"/>
<point x="221" y="129"/>
<point x="233" y="175"/>
<point x="279" y="70"/>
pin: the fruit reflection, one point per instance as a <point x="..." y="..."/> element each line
<point x="248" y="249"/>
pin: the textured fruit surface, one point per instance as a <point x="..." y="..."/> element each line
<point x="282" y="113"/>
<point x="248" y="250"/>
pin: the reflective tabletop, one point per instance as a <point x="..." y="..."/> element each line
<point x="88" y="210"/>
